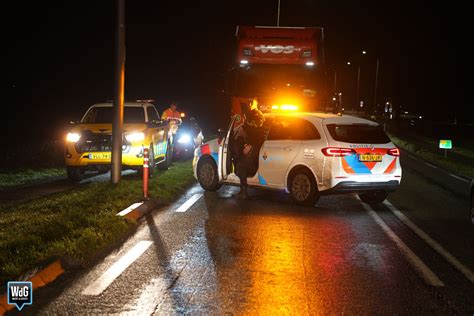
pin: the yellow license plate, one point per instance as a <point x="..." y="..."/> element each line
<point x="370" y="157"/>
<point x="100" y="156"/>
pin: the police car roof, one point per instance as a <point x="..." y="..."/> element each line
<point x="127" y="104"/>
<point x="328" y="118"/>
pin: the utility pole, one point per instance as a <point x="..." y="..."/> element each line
<point x="278" y="15"/>
<point x="376" y="82"/>
<point x="117" y="126"/>
<point x="358" y="84"/>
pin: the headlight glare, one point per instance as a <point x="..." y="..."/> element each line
<point x="184" y="139"/>
<point x="135" y="137"/>
<point x="73" y="137"/>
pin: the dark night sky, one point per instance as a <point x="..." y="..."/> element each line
<point x="58" y="58"/>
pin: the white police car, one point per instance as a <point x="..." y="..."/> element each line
<point x="310" y="154"/>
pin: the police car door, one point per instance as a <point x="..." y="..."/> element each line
<point x="225" y="162"/>
<point x="278" y="151"/>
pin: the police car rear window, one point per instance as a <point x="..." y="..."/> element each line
<point x="358" y="133"/>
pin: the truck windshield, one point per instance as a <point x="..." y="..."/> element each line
<point x="104" y="115"/>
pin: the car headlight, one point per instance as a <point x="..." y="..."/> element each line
<point x="184" y="139"/>
<point x="135" y="137"/>
<point x="73" y="137"/>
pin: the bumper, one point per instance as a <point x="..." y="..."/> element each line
<point x="133" y="158"/>
<point x="359" y="187"/>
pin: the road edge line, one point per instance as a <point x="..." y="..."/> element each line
<point x="189" y="203"/>
<point x="423" y="270"/>
<point x="468" y="274"/>
<point x="116" y="269"/>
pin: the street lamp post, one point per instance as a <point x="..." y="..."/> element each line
<point x="358" y="84"/>
<point x="376" y="82"/>
<point x="117" y="126"/>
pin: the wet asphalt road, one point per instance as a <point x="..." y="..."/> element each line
<point x="269" y="256"/>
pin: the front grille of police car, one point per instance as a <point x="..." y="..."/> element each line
<point x="92" y="142"/>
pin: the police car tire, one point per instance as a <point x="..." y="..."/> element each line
<point x="75" y="174"/>
<point x="208" y="163"/>
<point x="305" y="175"/>
<point x="373" y="197"/>
<point x="164" y="165"/>
<point x="151" y="161"/>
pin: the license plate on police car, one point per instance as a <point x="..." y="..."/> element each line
<point x="370" y="157"/>
<point x="100" y="156"/>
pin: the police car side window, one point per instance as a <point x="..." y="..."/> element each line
<point x="293" y="129"/>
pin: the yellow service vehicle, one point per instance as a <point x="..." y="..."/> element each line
<point x="89" y="142"/>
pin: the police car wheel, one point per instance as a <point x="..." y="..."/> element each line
<point x="302" y="187"/>
<point x="207" y="174"/>
<point x="151" y="161"/>
<point x="164" y="165"/>
<point x="374" y="197"/>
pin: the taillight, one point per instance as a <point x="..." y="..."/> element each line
<point x="394" y="152"/>
<point x="337" y="151"/>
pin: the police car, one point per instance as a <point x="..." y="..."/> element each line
<point x="309" y="155"/>
<point x="89" y="142"/>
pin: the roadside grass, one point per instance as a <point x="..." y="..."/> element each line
<point x="16" y="177"/>
<point x="460" y="167"/>
<point x="77" y="224"/>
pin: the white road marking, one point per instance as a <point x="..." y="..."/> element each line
<point x="99" y="285"/>
<point x="431" y="242"/>
<point x="186" y="205"/>
<point x="455" y="176"/>
<point x="432" y="166"/>
<point x="425" y="272"/>
<point x="129" y="209"/>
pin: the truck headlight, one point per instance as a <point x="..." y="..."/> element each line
<point x="184" y="139"/>
<point x="73" y="137"/>
<point x="135" y="137"/>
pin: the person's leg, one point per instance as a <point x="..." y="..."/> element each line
<point x="241" y="172"/>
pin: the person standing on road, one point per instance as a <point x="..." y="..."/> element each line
<point x="248" y="140"/>
<point x="172" y="113"/>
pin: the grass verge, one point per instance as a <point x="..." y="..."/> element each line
<point x="450" y="163"/>
<point x="79" y="223"/>
<point x="16" y="177"/>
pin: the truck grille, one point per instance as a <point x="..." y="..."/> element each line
<point x="91" y="142"/>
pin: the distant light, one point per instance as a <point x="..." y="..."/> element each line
<point x="406" y="112"/>
<point x="309" y="63"/>
<point x="244" y="62"/>
<point x="340" y="93"/>
<point x="421" y="117"/>
<point x="183" y="114"/>
<point x="364" y="52"/>
<point x="288" y="107"/>
<point x="334" y="98"/>
<point x="184" y="139"/>
<point x="348" y="62"/>
<point x="288" y="84"/>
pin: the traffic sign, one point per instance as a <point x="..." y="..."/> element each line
<point x="445" y="144"/>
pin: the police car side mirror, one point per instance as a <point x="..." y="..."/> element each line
<point x="74" y="122"/>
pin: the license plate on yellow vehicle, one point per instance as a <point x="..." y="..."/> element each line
<point x="100" y="156"/>
<point x="370" y="157"/>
